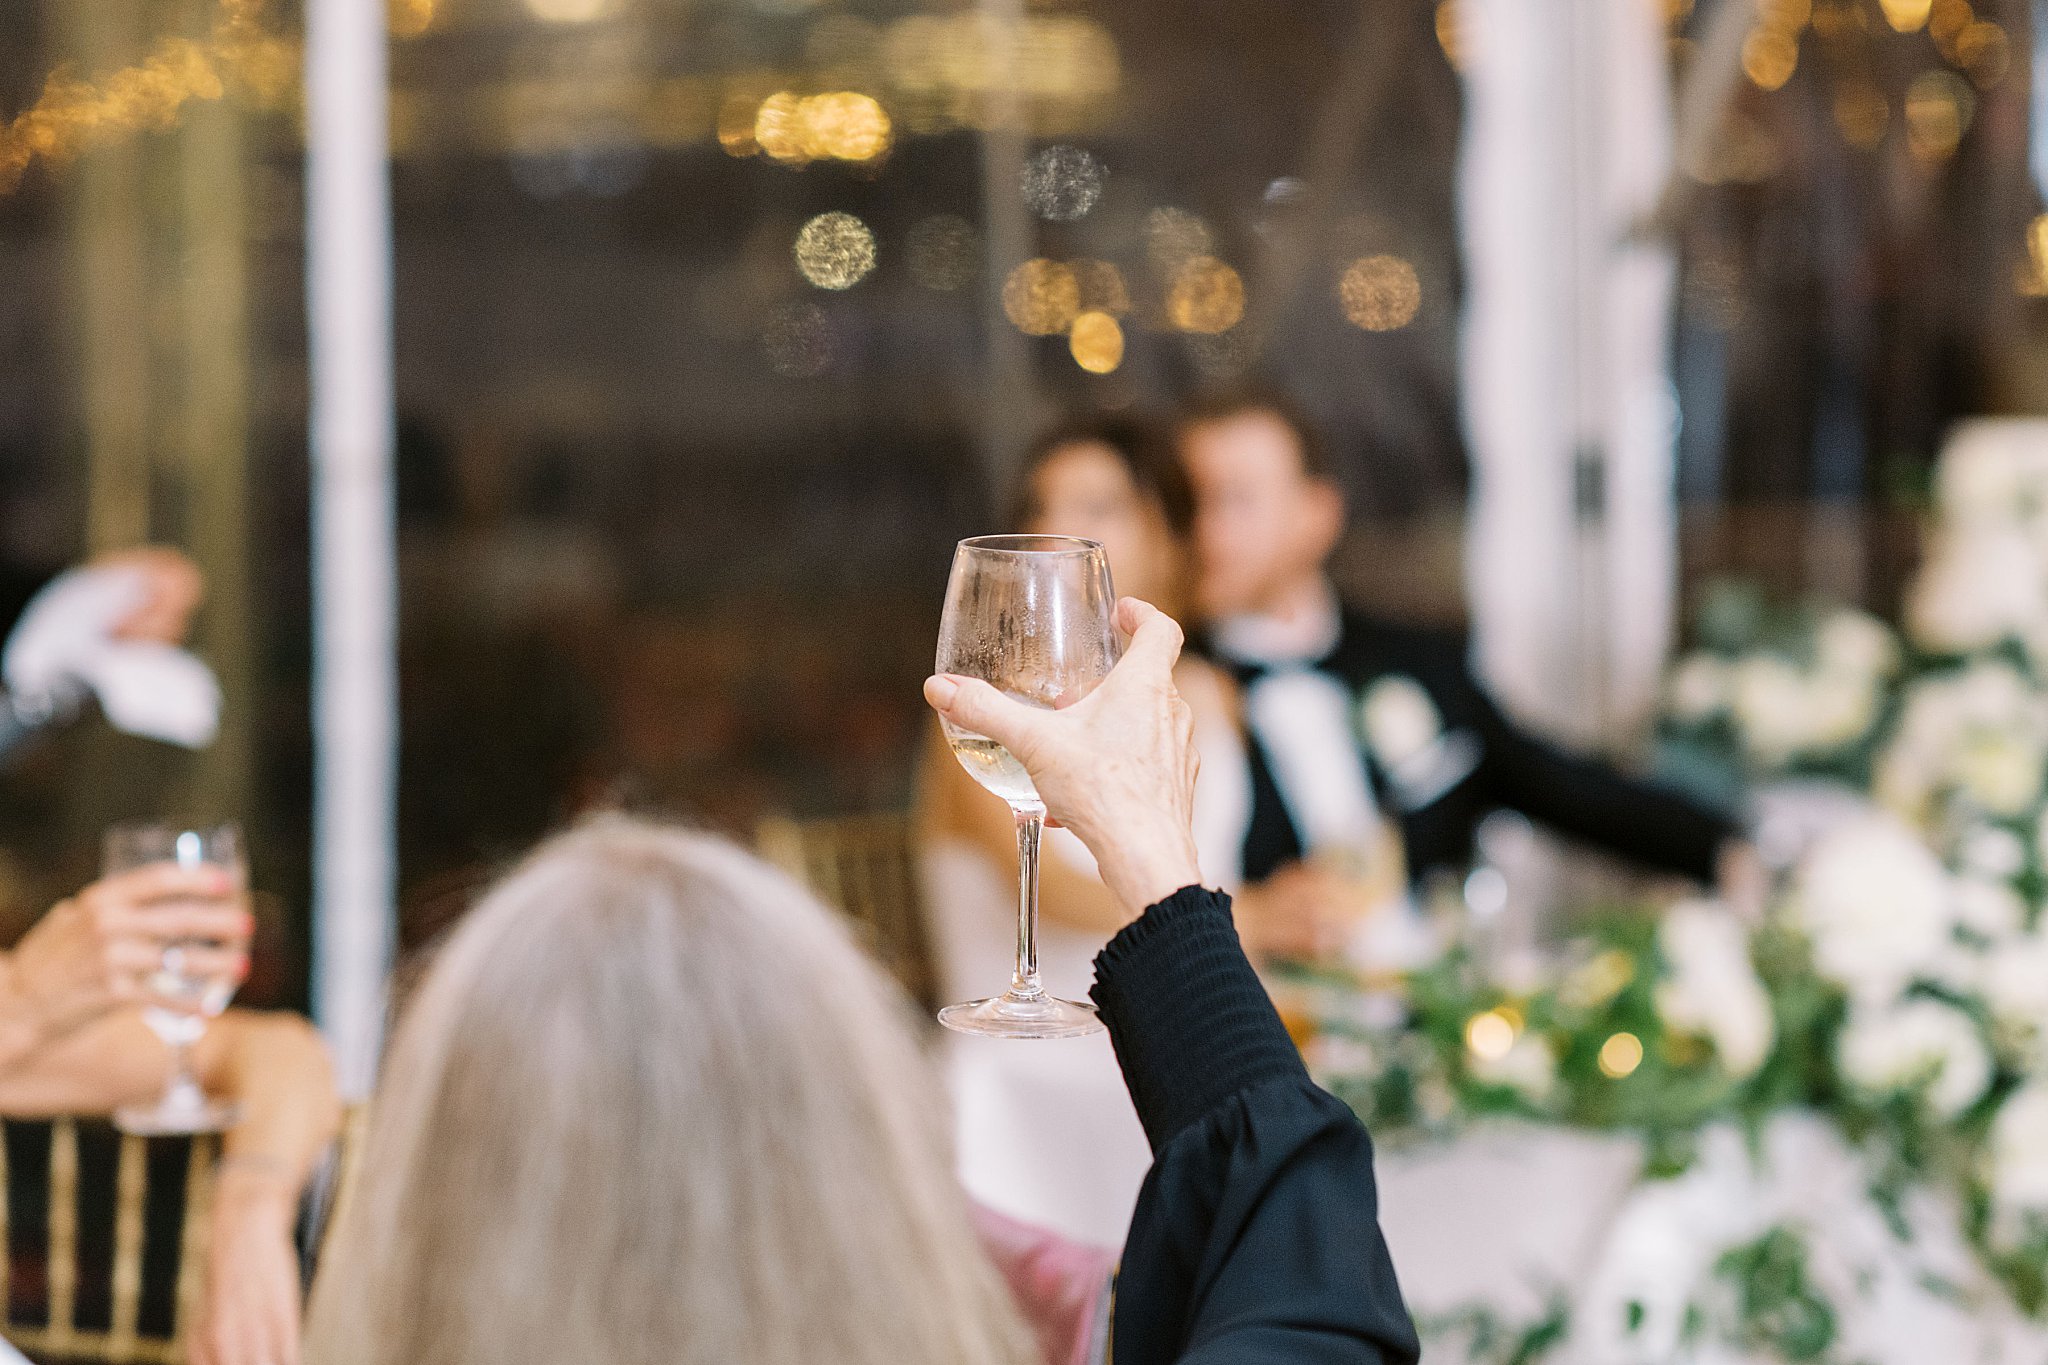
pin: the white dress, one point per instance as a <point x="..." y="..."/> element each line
<point x="1045" y="1129"/>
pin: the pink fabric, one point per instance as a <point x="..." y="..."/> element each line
<point x="1057" y="1283"/>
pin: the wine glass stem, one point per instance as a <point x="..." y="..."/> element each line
<point x="1030" y="832"/>
<point x="181" y="1066"/>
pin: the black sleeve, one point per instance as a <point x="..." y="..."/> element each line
<point x="1256" y="1239"/>
<point x="1592" y="802"/>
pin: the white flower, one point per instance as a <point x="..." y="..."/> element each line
<point x="2019" y="1161"/>
<point x="1771" y="707"/>
<point x="1841" y="709"/>
<point x="1919" y="1042"/>
<point x="1974" y="590"/>
<point x="1712" y="988"/>
<point x="2001" y="773"/>
<point x="1400" y="720"/>
<point x="1858" y="644"/>
<point x="1874" y="904"/>
<point x="1993" y="469"/>
<point x="1529" y="1068"/>
<point x="2014" y="982"/>
<point x="1989" y="908"/>
<point x="1698" y="688"/>
<point x="1994" y="853"/>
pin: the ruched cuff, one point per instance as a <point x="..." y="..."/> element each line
<point x="1191" y="1023"/>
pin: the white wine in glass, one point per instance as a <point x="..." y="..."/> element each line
<point x="1034" y="616"/>
<point x="184" y="1107"/>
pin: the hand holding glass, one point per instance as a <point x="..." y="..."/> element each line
<point x="1033" y="616"/>
<point x="184" y="1107"/>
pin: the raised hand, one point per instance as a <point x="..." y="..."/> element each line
<point x="1117" y="767"/>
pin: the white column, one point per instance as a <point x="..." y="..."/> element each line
<point x="1571" y="550"/>
<point x="355" y="694"/>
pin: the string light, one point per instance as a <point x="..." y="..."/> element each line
<point x="1042" y="297"/>
<point x="1173" y="237"/>
<point x="835" y="251"/>
<point x="409" y="18"/>
<point x="1380" y="293"/>
<point x="1984" y="51"/>
<point x="1939" y="108"/>
<point x="738" y="116"/>
<point x="1207" y="296"/>
<point x="1102" y="288"/>
<point x="1062" y="183"/>
<point x="1489" y="1036"/>
<point x="1096" y="342"/>
<point x="842" y="125"/>
<point x="1769" y="57"/>
<point x="1620" y="1055"/>
<point x="1907" y="16"/>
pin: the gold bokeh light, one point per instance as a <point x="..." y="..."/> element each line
<point x="1380" y="293"/>
<point x="1620" y="1055"/>
<point x="835" y="251"/>
<point x="1173" y="237"/>
<point x="841" y="125"/>
<point x="1769" y="57"/>
<point x="569" y="11"/>
<point x="1985" y="52"/>
<point x="1207" y="296"/>
<point x="1939" y="109"/>
<point x="1096" y="342"/>
<point x="1907" y="16"/>
<point x="1863" y="114"/>
<point x="1489" y="1036"/>
<point x="1042" y="297"/>
<point x="1102" y="288"/>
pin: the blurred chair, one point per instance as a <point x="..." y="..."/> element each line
<point x="105" y="1237"/>
<point x="865" y="866"/>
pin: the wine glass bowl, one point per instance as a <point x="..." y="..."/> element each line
<point x="1034" y="617"/>
<point x="184" y="1106"/>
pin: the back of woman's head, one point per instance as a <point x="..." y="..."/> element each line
<point x="651" y="1104"/>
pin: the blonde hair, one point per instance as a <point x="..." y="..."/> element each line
<point x="651" y="1104"/>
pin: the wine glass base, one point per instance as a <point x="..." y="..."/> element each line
<point x="1011" y="1016"/>
<point x="177" y="1116"/>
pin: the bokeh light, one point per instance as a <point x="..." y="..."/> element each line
<point x="1380" y="293"/>
<point x="569" y="11"/>
<point x="1096" y="342"/>
<point x="1222" y="358"/>
<point x="1939" y="108"/>
<point x="1102" y="288"/>
<point x="2034" y="270"/>
<point x="1620" y="1055"/>
<point x="1983" y="50"/>
<point x="737" y="116"/>
<point x="835" y="251"/>
<point x="1042" y="297"/>
<point x="1207" y="296"/>
<point x="798" y="341"/>
<point x="1907" y="16"/>
<point x="842" y="125"/>
<point x="1456" y="25"/>
<point x="943" y="252"/>
<point x="1489" y="1036"/>
<point x="1863" y="114"/>
<point x="1769" y="57"/>
<point x="1173" y="237"/>
<point x="1946" y="23"/>
<point x="409" y="18"/>
<point x="1062" y="183"/>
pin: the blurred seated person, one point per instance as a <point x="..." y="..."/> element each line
<point x="652" y="1106"/>
<point x="110" y="628"/>
<point x="1046" y="1133"/>
<point x="1358" y="727"/>
<point x="73" y="1041"/>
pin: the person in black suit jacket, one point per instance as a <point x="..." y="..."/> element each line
<point x="1349" y="718"/>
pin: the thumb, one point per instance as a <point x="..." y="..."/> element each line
<point x="973" y="705"/>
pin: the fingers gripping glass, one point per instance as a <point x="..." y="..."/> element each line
<point x="1034" y="616"/>
<point x="184" y="1106"/>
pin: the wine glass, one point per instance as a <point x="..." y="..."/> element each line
<point x="1035" y="617"/>
<point x="184" y="1106"/>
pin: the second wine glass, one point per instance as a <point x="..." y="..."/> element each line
<point x="1034" y="616"/>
